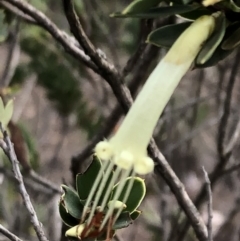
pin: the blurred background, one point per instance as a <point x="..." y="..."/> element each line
<point x="62" y="108"/>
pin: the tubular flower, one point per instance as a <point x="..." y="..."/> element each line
<point x="127" y="149"/>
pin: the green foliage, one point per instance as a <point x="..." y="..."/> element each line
<point x="167" y="35"/>
<point x="71" y="202"/>
<point x="158" y="12"/>
<point x="216" y="48"/>
<point x="212" y="43"/>
<point x="6" y="112"/>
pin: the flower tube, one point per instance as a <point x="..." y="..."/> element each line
<point x="128" y="146"/>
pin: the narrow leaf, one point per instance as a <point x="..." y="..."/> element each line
<point x="71" y="202"/>
<point x="159" y="12"/>
<point x="167" y="35"/>
<point x="66" y="217"/>
<point x="212" y="43"/>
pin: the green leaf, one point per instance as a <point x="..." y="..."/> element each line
<point x="84" y="181"/>
<point x="167" y="35"/>
<point x="230" y="4"/>
<point x="212" y="43"/>
<point x="136" y="195"/>
<point x="195" y="14"/>
<point x="135" y="214"/>
<point x="217" y="56"/>
<point x="6" y="112"/>
<point x="67" y="218"/>
<point x="71" y="202"/>
<point x="123" y="221"/>
<point x="159" y="12"/>
<point x="140" y="5"/>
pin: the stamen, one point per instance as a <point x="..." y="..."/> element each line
<point x="110" y="187"/>
<point x="129" y="188"/>
<point x="125" y="174"/>
<point x="94" y="188"/>
<point x="100" y="189"/>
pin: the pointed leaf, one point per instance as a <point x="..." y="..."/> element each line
<point x="212" y="43"/>
<point x="84" y="181"/>
<point x="195" y="14"/>
<point x="217" y="56"/>
<point x="230" y="4"/>
<point x="167" y="35"/>
<point x="67" y="218"/>
<point x="159" y="12"/>
<point x="123" y="221"/>
<point x="135" y="214"/>
<point x="71" y="202"/>
<point x="140" y="6"/>
<point x="136" y="195"/>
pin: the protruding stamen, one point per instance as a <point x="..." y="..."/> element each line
<point x="100" y="189"/>
<point x="125" y="174"/>
<point x="129" y="188"/>
<point x="110" y="187"/>
<point x="94" y="188"/>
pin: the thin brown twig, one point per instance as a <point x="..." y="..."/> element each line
<point x="60" y="36"/>
<point x="210" y="201"/>
<point x="8" y="149"/>
<point x="8" y="234"/>
<point x="146" y="27"/>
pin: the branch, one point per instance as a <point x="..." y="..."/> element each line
<point x="8" y="234"/>
<point x="60" y="36"/>
<point x="210" y="201"/>
<point x="146" y="28"/>
<point x="8" y="149"/>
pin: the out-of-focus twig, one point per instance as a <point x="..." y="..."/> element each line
<point x="146" y="27"/>
<point x="8" y="149"/>
<point x="8" y="234"/>
<point x="60" y="36"/>
<point x="210" y="201"/>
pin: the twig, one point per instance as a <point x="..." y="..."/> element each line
<point x="146" y="27"/>
<point x="18" y="13"/>
<point x="84" y="41"/>
<point x="60" y="36"/>
<point x="235" y="137"/>
<point x="8" y="234"/>
<point x="44" y="182"/>
<point x="230" y="169"/>
<point x="163" y="168"/>
<point x="210" y="201"/>
<point x="8" y="149"/>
